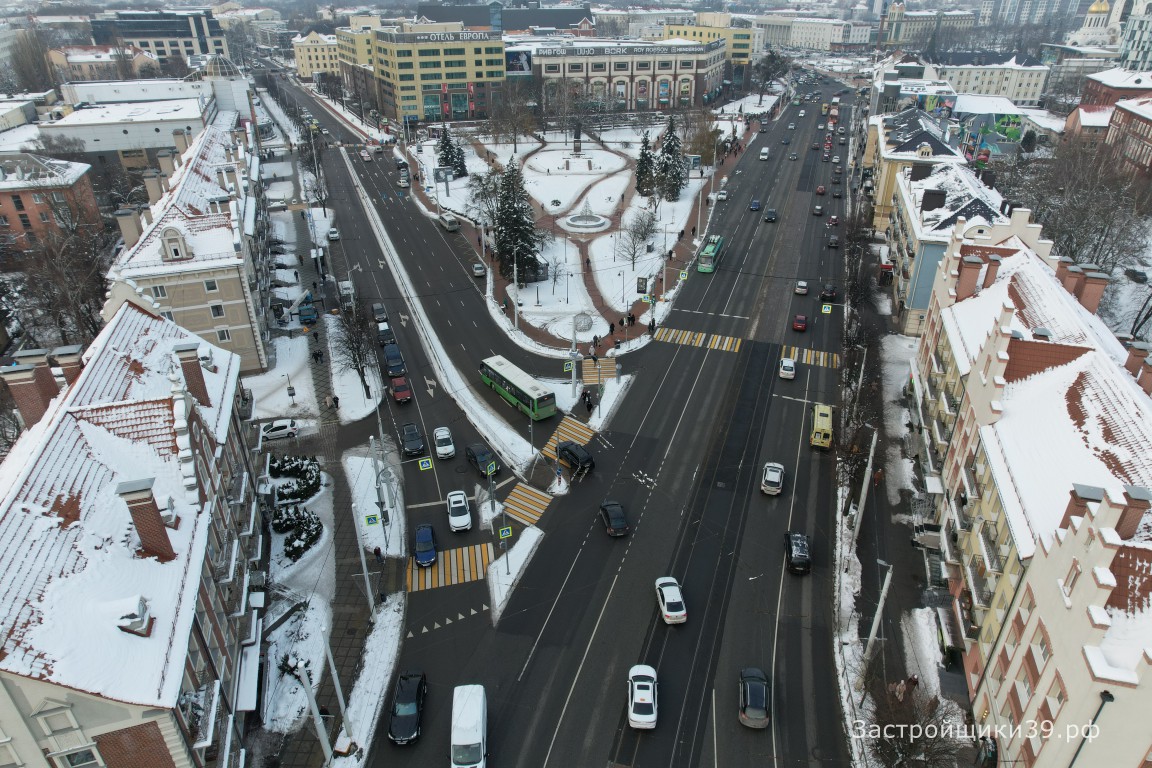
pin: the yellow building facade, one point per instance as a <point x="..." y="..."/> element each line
<point x="315" y="53"/>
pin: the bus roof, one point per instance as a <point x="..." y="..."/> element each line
<point x="517" y="377"/>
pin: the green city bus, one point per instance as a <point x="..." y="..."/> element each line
<point x="520" y="390"/>
<point x="710" y="256"/>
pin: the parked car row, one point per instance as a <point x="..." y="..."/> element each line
<point x="468" y="745"/>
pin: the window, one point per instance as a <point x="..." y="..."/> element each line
<point x="403" y="54"/>
<point x="37" y="198"/>
<point x="599" y="66"/>
<point x="57" y="197"/>
<point x="429" y="52"/>
<point x="3" y="221"/>
<point x="575" y="67"/>
<point x="405" y="65"/>
<point x="210" y="286"/>
<point x="551" y="69"/>
<point x="453" y="51"/>
<point x="494" y="49"/>
<point x="430" y="65"/>
<point x="430" y="76"/>
<point x="217" y="310"/>
<point x="407" y="77"/>
<point x="43" y="217"/>
<point x="687" y="64"/>
<point x="455" y="75"/>
<point x="223" y="335"/>
<point x="25" y="221"/>
<point x="81" y="759"/>
<point x="664" y="65"/>
<point x="643" y="66"/>
<point x="18" y="202"/>
<point x="166" y="314"/>
<point x="1069" y="580"/>
<point x="159" y="292"/>
<point x="619" y="66"/>
<point x="455" y="64"/>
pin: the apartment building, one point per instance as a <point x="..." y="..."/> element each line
<point x="102" y="62"/>
<point x="356" y="52"/>
<point x="1136" y="42"/>
<point x="162" y="33"/>
<point x="316" y="54"/>
<point x="1034" y="424"/>
<point x="828" y="35"/>
<point x="743" y="43"/>
<point x="1089" y="124"/>
<point x="195" y="255"/>
<point x="44" y="200"/>
<point x="128" y="525"/>
<point x="1130" y="134"/>
<point x="614" y="75"/>
<point x="1112" y="85"/>
<point x="439" y="71"/>
<point x="900" y="28"/>
<point x="1013" y="76"/>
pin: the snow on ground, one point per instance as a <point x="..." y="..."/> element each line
<point x="354" y="404"/>
<point x="283" y="191"/>
<point x="897" y="353"/>
<point x="606" y="402"/>
<point x="605" y="196"/>
<point x="849" y="653"/>
<point x="504" y="572"/>
<point x="311" y="578"/>
<point x="283" y="228"/>
<point x="270" y="389"/>
<point x="360" y="470"/>
<point x="284" y="126"/>
<point x="278" y="169"/>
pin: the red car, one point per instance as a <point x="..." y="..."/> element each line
<point x="833" y="220"/>
<point x="401" y="392"/>
<point x="820" y="189"/>
<point x="800" y="323"/>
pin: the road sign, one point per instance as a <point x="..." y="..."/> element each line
<point x="506" y="532"/>
<point x="568" y="366"/>
<point x="489" y="470"/>
<point x="425" y="464"/>
<point x="825" y="309"/>
<point x="683" y="274"/>
<point x="646" y="299"/>
<point x="372" y="519"/>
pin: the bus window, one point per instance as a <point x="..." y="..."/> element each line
<point x="821" y="426"/>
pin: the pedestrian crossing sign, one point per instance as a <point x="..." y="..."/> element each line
<point x="683" y="274"/>
<point x="826" y="309"/>
<point x="568" y="365"/>
<point x="425" y="464"/>
<point x="372" y="519"/>
<point x="647" y="299"/>
<point x="506" y="532"/>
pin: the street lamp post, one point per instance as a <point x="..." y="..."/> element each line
<point x="291" y="390"/>
<point x="622" y="299"/>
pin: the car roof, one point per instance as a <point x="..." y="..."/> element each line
<point x="457" y="495"/>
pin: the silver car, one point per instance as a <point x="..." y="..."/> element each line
<point x="459" y="515"/>
<point x="275" y="430"/>
<point x="442" y="438"/>
<point x="773" y="482"/>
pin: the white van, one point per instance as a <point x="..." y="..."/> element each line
<point x="764" y="153"/>
<point x="449" y="222"/>
<point x="469" y="727"/>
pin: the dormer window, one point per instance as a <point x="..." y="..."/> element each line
<point x="174" y="247"/>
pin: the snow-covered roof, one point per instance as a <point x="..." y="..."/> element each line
<point x="1043" y="118"/>
<point x="140" y="112"/>
<point x="1079" y="416"/>
<point x="1096" y="115"/>
<point x="965" y="196"/>
<point x="101" y="54"/>
<point x="526" y="43"/>
<point x="1123" y="78"/>
<point x="904" y="132"/>
<point x="1141" y="107"/>
<point x="315" y="38"/>
<point x="23" y="170"/>
<point x="978" y="104"/>
<point x="69" y="568"/>
<point x="196" y="206"/>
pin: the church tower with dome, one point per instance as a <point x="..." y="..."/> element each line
<point x="1101" y="28"/>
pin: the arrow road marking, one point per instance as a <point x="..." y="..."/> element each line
<point x="404" y="320"/>
<point x="431" y="384"/>
<point x="644" y="480"/>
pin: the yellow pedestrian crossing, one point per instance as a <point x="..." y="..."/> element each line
<point x="596" y="371"/>
<point x="699" y="339"/>
<point x="452" y="566"/>
<point x="569" y="429"/>
<point x="812" y="357"/>
<point x="526" y="503"/>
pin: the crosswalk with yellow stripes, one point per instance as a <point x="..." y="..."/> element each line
<point x="453" y="566"/>
<point x="811" y="357"/>
<point x="598" y="370"/>
<point x="526" y="503"/>
<point x="698" y="339"/>
<point x="570" y="429"/>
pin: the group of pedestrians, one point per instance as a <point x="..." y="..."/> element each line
<point x="586" y="396"/>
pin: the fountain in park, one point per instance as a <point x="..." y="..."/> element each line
<point x="586" y="220"/>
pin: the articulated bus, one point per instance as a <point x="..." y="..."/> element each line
<point x="522" y="391"/>
<point x="710" y="256"/>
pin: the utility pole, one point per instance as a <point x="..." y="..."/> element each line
<point x="879" y="613"/>
<point x="317" y="719"/>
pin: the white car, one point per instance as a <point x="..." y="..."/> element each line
<point x="274" y="430"/>
<point x="792" y="126"/>
<point x="801" y="288"/>
<point x="445" y="448"/>
<point x="642" y="697"/>
<point x="722" y="194"/>
<point x="324" y="131"/>
<point x="333" y="234"/>
<point x="787" y="368"/>
<point x="802" y="113"/>
<point x="671" y="601"/>
<point x="836" y="158"/>
<point x="459" y="515"/>
<point x="773" y="482"/>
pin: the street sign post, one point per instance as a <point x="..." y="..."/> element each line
<point x="372" y="519"/>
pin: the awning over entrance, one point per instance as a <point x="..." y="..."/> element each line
<point x="951" y="636"/>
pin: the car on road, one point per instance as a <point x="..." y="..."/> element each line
<point x="817" y="210"/>
<point x="614" y="518"/>
<point x="772" y="482"/>
<point x="833" y="220"/>
<point x="481" y="457"/>
<point x="801" y="288"/>
<point x="425" y="552"/>
<point x="801" y="113"/>
<point x="836" y="159"/>
<point x="800" y="323"/>
<point x="479" y="270"/>
<point x="575" y="455"/>
<point x="670" y="598"/>
<point x="281" y="428"/>
<point x="642" y="689"/>
<point x="787" y="368"/>
<point x="785" y="140"/>
<point x="379" y="313"/>
<point x="791" y="126"/>
<point x="843" y="140"/>
<point x="797" y="552"/>
<point x="442" y="439"/>
<point x="826" y="157"/>
<point x="820" y="189"/>
<point x="722" y="194"/>
<point x="833" y="241"/>
<point x="837" y="192"/>
<point x="815" y="145"/>
<point x="840" y="130"/>
<point x="770" y="214"/>
<point x="459" y="514"/>
<point x="755" y="698"/>
<point x="407" y="707"/>
<point x="385" y="334"/>
<point x="793" y="156"/>
<point x="828" y="292"/>
<point x="754" y="206"/>
<point x="324" y="131"/>
<point x="412" y="440"/>
<point x="333" y="234"/>
<point x="400" y="389"/>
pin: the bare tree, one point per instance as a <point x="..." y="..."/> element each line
<point x="354" y="345"/>
<point x="175" y="66"/>
<point x="636" y="233"/>
<point x="514" y="115"/>
<point x="483" y="194"/>
<point x="911" y="727"/>
<point x="9" y="423"/>
<point x="30" y="61"/>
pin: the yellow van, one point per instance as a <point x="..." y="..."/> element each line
<point x="821" y="426"/>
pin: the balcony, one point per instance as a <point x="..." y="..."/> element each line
<point x="961" y="606"/>
<point x="989" y="549"/>
<point x="978" y="583"/>
<point x="952" y="400"/>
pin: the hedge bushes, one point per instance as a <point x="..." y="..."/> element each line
<point x="304" y="472"/>
<point x="301" y="529"/>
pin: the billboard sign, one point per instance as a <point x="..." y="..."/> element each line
<point x="518" y="62"/>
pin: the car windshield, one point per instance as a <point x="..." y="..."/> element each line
<point x="423" y="545"/>
<point x="756" y="712"/>
<point x="642" y="708"/>
<point x="467" y="754"/>
<point x="443" y="440"/>
<point x="675" y="606"/>
<point x="402" y="708"/>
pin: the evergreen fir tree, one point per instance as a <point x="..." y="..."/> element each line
<point x="517" y="238"/>
<point x="445" y="149"/>
<point x="645" y="168"/>
<point x="459" y="164"/>
<point x="671" y="166"/>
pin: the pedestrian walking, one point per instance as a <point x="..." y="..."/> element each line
<point x="328" y="402"/>
<point x="335" y="402"/>
<point x="611" y="328"/>
<point x="621" y="323"/>
<point x="316" y="335"/>
<point x="877" y="477"/>
<point x="681" y="235"/>
<point x="595" y="342"/>
<point x="588" y="405"/>
<point x="313" y="285"/>
<point x="587" y="263"/>
<point x="693" y="230"/>
<point x="296" y="274"/>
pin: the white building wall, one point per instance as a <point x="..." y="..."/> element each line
<point x="119" y="137"/>
<point x="130" y="91"/>
<point x="1022" y="85"/>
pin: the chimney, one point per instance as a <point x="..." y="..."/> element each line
<point x="990" y="273"/>
<point x="1144" y="378"/>
<point x="1078" y="500"/>
<point x="137" y="494"/>
<point x="1073" y="278"/>
<point x="1137" y="500"/>
<point x="130" y="228"/>
<point x="68" y="358"/>
<point x="180" y="140"/>
<point x="152" y="185"/>
<point x="933" y="199"/>
<point x="969" y="271"/>
<point x="1092" y="290"/>
<point x="167" y="162"/>
<point x="188" y="354"/>
<point x="1137" y="351"/>
<point x="919" y="171"/>
<point x="1062" y="269"/>
<point x="145" y="214"/>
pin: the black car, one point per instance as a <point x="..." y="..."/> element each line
<point x="770" y="214"/>
<point x="833" y="242"/>
<point x="412" y="440"/>
<point x="837" y="192"/>
<point x="481" y="456"/>
<point x="407" y="707"/>
<point x="577" y="456"/>
<point x="614" y="519"/>
<point x="755" y="698"/>
<point x="379" y="313"/>
<point x="797" y="552"/>
<point x="785" y="140"/>
<point x="828" y="292"/>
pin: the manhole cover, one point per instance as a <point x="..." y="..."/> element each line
<point x="721" y="484"/>
<point x="461" y="469"/>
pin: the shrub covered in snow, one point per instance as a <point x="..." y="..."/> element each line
<point x="304" y="474"/>
<point x="300" y="527"/>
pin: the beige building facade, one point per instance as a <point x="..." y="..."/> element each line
<point x="316" y="54"/>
